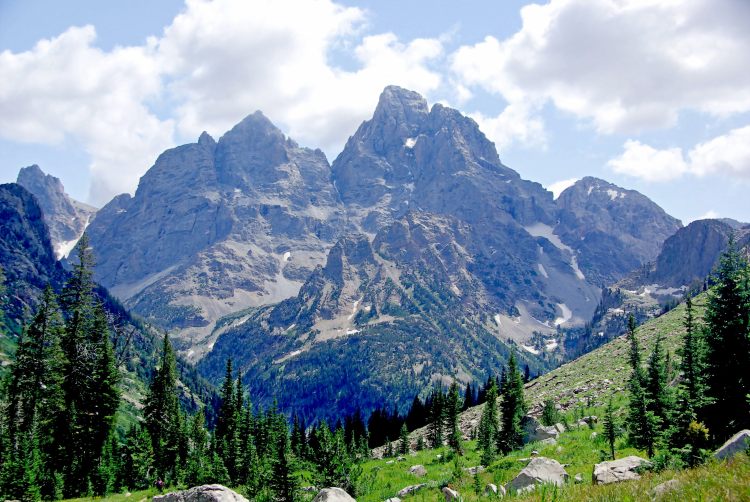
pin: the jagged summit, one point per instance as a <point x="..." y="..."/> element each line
<point x="66" y="218"/>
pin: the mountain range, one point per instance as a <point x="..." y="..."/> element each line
<point x="415" y="256"/>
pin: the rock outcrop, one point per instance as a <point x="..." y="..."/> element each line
<point x="740" y="442"/>
<point x="203" y="493"/>
<point x="540" y="470"/>
<point x="622" y="469"/>
<point x="66" y="217"/>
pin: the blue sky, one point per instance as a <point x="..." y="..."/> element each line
<point x="652" y="95"/>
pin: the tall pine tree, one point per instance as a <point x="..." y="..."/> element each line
<point x="514" y="407"/>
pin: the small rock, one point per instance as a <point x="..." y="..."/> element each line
<point x="310" y="488"/>
<point x="418" y="470"/>
<point x="127" y="494"/>
<point x="663" y="488"/>
<point x="540" y="470"/>
<point x="534" y="453"/>
<point x="393" y="499"/>
<point x="578" y="478"/>
<point x="490" y="490"/>
<point x="333" y="495"/>
<point x="593" y="436"/>
<point x="559" y="427"/>
<point x="474" y="470"/>
<point x="389" y="462"/>
<point x="203" y="493"/>
<point x="622" y="469"/>
<point x="400" y="459"/>
<point x="548" y="441"/>
<point x="410" y="489"/>
<point x="737" y="443"/>
<point x="450" y="494"/>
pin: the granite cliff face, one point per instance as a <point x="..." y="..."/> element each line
<point x="218" y="226"/>
<point x="615" y="230"/>
<point x="66" y="218"/>
<point x="26" y="254"/>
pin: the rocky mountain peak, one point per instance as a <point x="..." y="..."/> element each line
<point x="65" y="217"/>
<point x="206" y="140"/>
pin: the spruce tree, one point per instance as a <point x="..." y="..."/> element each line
<point x="283" y="483"/>
<point x="657" y="392"/>
<point x="514" y="407"/>
<point x="137" y="460"/>
<point x="728" y="347"/>
<point x="437" y="418"/>
<point x="641" y="423"/>
<point x="488" y="426"/>
<point x="550" y="414"/>
<point x="162" y="414"/>
<point x="610" y="428"/>
<point x="226" y="423"/>
<point x="403" y="440"/>
<point x="452" y="411"/>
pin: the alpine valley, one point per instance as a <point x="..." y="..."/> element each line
<point x="414" y="257"/>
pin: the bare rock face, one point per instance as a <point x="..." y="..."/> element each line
<point x="203" y="493"/>
<point x="66" y="218"/>
<point x="540" y="470"/>
<point x="622" y="469"/>
<point x="333" y="495"/>
<point x="738" y="443"/>
<point x="216" y="227"/>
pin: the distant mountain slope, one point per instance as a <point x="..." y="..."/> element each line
<point x="217" y="227"/>
<point x="614" y="230"/>
<point x="29" y="265"/>
<point x="381" y="321"/>
<point x="66" y="218"/>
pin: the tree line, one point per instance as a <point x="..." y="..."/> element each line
<point x="679" y="413"/>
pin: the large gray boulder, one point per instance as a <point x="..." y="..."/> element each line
<point x="203" y="493"/>
<point x="622" y="469"/>
<point x="333" y="495"/>
<point x="410" y="489"/>
<point x="418" y="470"/>
<point x="541" y="470"/>
<point x="738" y="443"/>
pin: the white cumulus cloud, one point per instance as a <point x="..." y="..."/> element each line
<point x="727" y="154"/>
<point x="624" y="65"/>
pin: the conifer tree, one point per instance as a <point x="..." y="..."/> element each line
<point x="513" y="408"/>
<point x="728" y="347"/>
<point x="403" y="440"/>
<point x="550" y="414"/>
<point x="437" y="418"/>
<point x="610" y="428"/>
<point x="452" y="411"/>
<point x="641" y="423"/>
<point x="198" y="451"/>
<point x="489" y="427"/>
<point x="137" y="459"/>
<point x="162" y="414"/>
<point x="692" y="363"/>
<point x="283" y="483"/>
<point x="226" y="424"/>
<point x="657" y="392"/>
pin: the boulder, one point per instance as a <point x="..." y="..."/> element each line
<point x="623" y="469"/>
<point x="418" y="470"/>
<point x="450" y="494"/>
<point x="203" y="493"/>
<point x="535" y="431"/>
<point x="662" y="489"/>
<point x="559" y="427"/>
<point x="410" y="489"/>
<point x="737" y="443"/>
<point x="540" y="470"/>
<point x="333" y="495"/>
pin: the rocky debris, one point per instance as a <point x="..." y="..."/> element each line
<point x="738" y="443"/>
<point x="333" y="495"/>
<point x="418" y="470"/>
<point x="623" y="469"/>
<point x="474" y="470"/>
<point x="662" y="489"/>
<point x="450" y="494"/>
<point x="410" y="489"/>
<point x="535" y="431"/>
<point x="203" y="493"/>
<point x="539" y="471"/>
